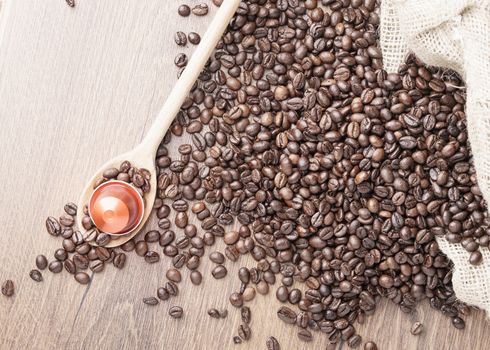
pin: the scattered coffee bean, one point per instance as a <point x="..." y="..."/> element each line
<point x="196" y="277"/>
<point x="8" y="288"/>
<point x="152" y="301"/>
<point x="214" y="313"/>
<point x="244" y="331"/>
<point x="172" y="288"/>
<point x="119" y="260"/>
<point x="200" y="9"/>
<point x="458" y="322"/>
<point x="219" y="272"/>
<point x="82" y="278"/>
<point x="163" y="293"/>
<point x="272" y="344"/>
<point x="53" y="227"/>
<point x="217" y="257"/>
<point x="286" y="315"/>
<point x="180" y="60"/>
<point x="417" y="328"/>
<point x="354" y="341"/>
<point x="370" y="346"/>
<point x="55" y="266"/>
<point x="180" y="38"/>
<point x="305" y="335"/>
<point x="174" y="275"/>
<point x="245" y="314"/>
<point x="184" y="10"/>
<point x="194" y="38"/>
<point x="141" y="248"/>
<point x="36" y="275"/>
<point x="176" y="312"/>
<point x="248" y="294"/>
<point x="41" y="262"/>
<point x="236" y="299"/>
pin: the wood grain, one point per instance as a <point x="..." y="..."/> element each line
<point x="77" y="87"/>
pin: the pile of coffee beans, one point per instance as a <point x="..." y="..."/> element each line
<point x="334" y="174"/>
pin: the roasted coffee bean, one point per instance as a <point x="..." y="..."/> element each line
<point x="217" y="257"/>
<point x="248" y="294"/>
<point x="354" y="341"/>
<point x="181" y="219"/>
<point x="417" y="328"/>
<point x="196" y="277"/>
<point x="245" y="314"/>
<point x="458" y="323"/>
<point x="141" y="248"/>
<point x="41" y="262"/>
<point x="475" y="258"/>
<point x="128" y="246"/>
<point x="102" y="253"/>
<point x="194" y="38"/>
<point x="305" y="335"/>
<point x="102" y="239"/>
<point x="172" y="288"/>
<point x="82" y="278"/>
<point x="8" y="288"/>
<point x="166" y="238"/>
<point x="71" y="209"/>
<point x="173" y="275"/>
<point x="96" y="265"/>
<point x="60" y="254"/>
<point x="214" y="313"/>
<point x="219" y="272"/>
<point x="55" y="266"/>
<point x="163" y="293"/>
<point x="180" y="38"/>
<point x="244" y="331"/>
<point x="119" y="260"/>
<point x="152" y="257"/>
<point x="200" y="9"/>
<point x="236" y="299"/>
<point x="176" y="312"/>
<point x="52" y="226"/>
<point x="152" y="301"/>
<point x="180" y="61"/>
<point x="90" y="235"/>
<point x="370" y="346"/>
<point x="70" y="266"/>
<point x="184" y="10"/>
<point x="286" y="315"/>
<point x="272" y="344"/>
<point x="152" y="236"/>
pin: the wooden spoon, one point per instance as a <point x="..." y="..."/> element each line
<point x="143" y="155"/>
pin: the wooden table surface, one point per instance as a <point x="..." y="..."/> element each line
<point x="78" y="86"/>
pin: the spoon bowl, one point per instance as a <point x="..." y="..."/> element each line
<point x="139" y="160"/>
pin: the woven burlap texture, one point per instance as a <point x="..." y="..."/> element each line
<point x="453" y="34"/>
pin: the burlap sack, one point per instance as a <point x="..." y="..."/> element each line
<point x="454" y="34"/>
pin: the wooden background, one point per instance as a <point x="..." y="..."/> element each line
<point x="78" y="86"/>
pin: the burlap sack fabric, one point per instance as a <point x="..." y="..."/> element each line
<point x="453" y="34"/>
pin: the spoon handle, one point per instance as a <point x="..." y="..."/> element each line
<point x="190" y="74"/>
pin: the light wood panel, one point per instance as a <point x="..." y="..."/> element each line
<point x="78" y="86"/>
